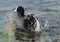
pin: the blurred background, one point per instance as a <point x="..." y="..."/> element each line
<point x="48" y="11"/>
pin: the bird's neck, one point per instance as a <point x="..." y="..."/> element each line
<point x="20" y="15"/>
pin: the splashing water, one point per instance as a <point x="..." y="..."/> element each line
<point x="9" y="26"/>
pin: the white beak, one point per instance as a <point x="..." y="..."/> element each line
<point x="15" y="10"/>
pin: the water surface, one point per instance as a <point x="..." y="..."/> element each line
<point x="46" y="10"/>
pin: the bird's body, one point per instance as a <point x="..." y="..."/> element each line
<point x="37" y="29"/>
